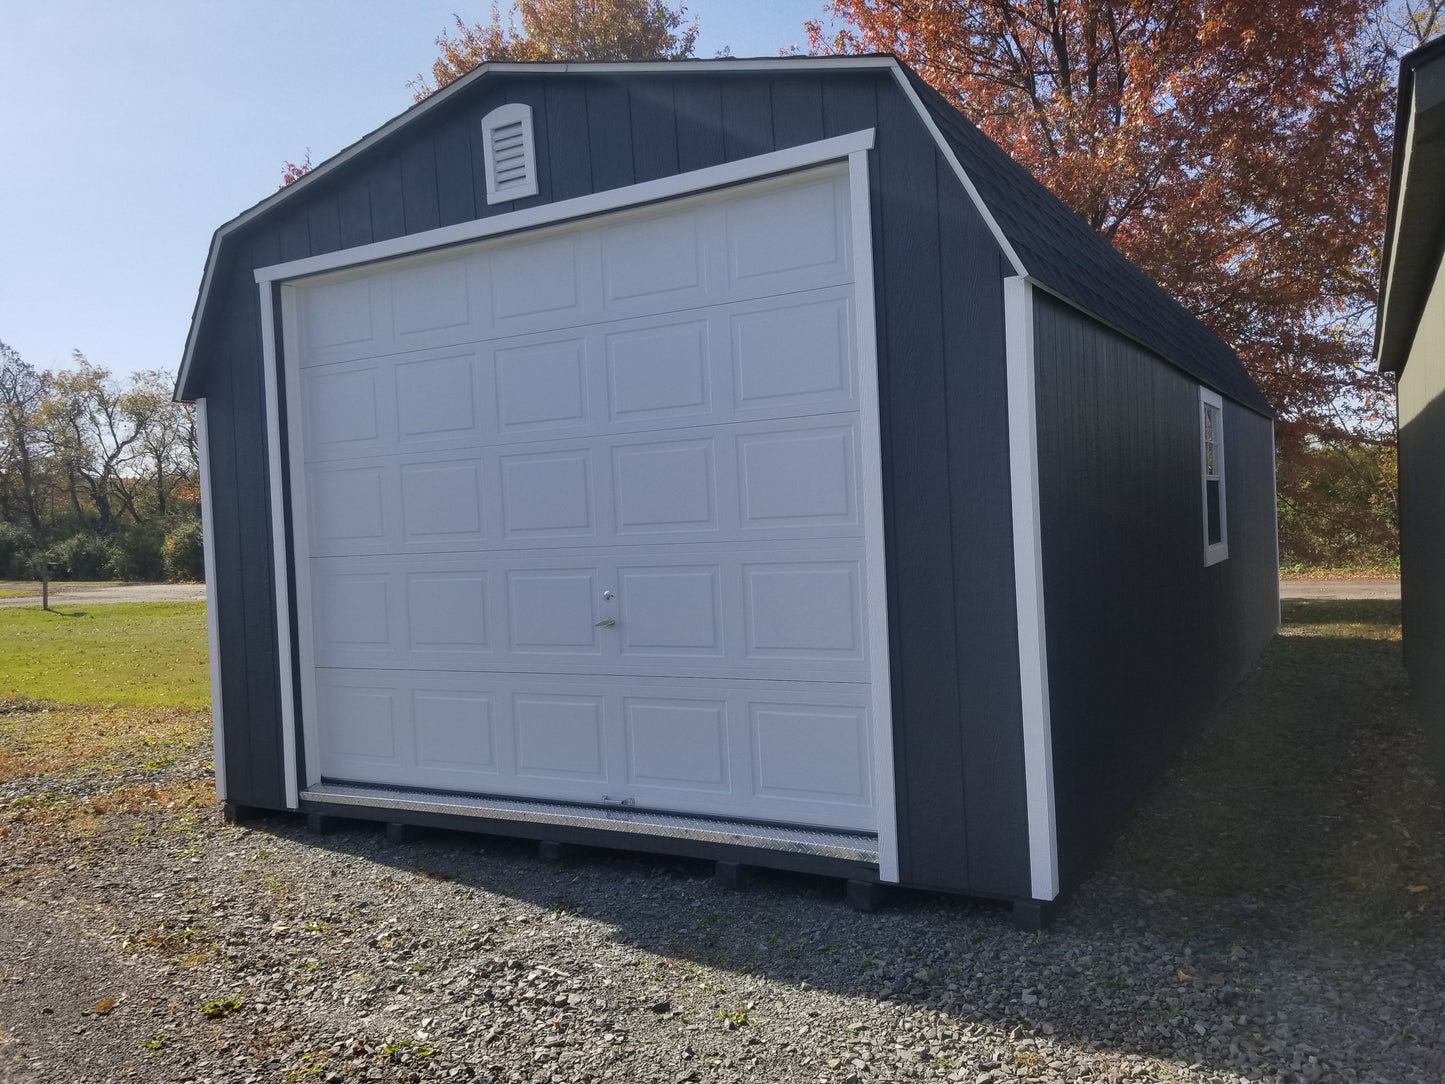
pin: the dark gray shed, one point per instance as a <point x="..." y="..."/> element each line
<point x="1410" y="342"/>
<point x="743" y="459"/>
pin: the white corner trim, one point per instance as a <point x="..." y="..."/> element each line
<point x="1397" y="210"/>
<point x="301" y="539"/>
<point x="865" y="334"/>
<point x="213" y="617"/>
<point x="1029" y="589"/>
<point x="681" y="184"/>
<point x="285" y="675"/>
<point x="1214" y="552"/>
<point x="509" y="155"/>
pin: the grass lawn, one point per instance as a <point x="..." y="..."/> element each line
<point x="1308" y="800"/>
<point x="130" y="655"/>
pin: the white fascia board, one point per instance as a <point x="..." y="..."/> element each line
<point x="778" y="64"/>
<point x="1029" y="589"/>
<point x="614" y="199"/>
<point x="213" y="614"/>
<point x="1396" y="211"/>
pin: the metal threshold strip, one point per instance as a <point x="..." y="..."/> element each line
<point x="847" y="846"/>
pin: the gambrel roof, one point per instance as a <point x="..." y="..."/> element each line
<point x="1038" y="235"/>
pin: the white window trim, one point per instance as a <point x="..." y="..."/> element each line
<point x="502" y="117"/>
<point x="1214" y="552"/>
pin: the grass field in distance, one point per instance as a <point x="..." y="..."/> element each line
<point x="126" y="654"/>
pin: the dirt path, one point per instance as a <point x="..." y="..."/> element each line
<point x="91" y="593"/>
<point x="1342" y="588"/>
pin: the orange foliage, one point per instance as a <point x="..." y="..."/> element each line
<point x="564" y="30"/>
<point x="1236" y="150"/>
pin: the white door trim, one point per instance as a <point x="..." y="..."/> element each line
<point x="853" y="150"/>
<point x="616" y="199"/>
<point x="280" y="555"/>
<point x="1029" y="588"/>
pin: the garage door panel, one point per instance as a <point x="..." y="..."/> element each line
<point x="725" y="483"/>
<point x="344" y="318"/>
<point x="584" y="513"/>
<point x="659" y="374"/>
<point x="789" y="237"/>
<point x="549" y="494"/>
<point x="690" y="611"/>
<point x="804" y="610"/>
<point x="750" y="750"/>
<point x="785" y="358"/>
<point x="795" y="352"/>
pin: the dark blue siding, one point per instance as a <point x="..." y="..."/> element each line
<point x="1143" y="640"/>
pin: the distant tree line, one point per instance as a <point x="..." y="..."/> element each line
<point x="99" y="476"/>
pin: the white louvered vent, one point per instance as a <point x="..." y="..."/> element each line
<point x="511" y="158"/>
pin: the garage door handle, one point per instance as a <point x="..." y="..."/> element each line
<point x="606" y="623"/>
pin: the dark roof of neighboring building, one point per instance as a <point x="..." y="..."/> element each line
<point x="1068" y="258"/>
<point x="1412" y="252"/>
<point x="1047" y="242"/>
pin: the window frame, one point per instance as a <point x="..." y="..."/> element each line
<point x="1214" y="551"/>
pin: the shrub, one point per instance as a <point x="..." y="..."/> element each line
<point x="18" y="553"/>
<point x="184" y="553"/>
<point x="84" y="556"/>
<point x="138" y="552"/>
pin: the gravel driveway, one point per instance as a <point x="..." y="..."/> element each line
<point x="91" y="593"/>
<point x="143" y="939"/>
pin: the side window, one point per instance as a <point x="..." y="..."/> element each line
<point x="1211" y="447"/>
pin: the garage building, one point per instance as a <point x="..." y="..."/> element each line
<point x="742" y="459"/>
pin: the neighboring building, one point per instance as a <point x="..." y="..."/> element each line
<point x="1410" y="342"/>
<point x="743" y="459"/>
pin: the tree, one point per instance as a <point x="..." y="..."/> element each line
<point x="1237" y="151"/>
<point x="564" y="30"/>
<point x="96" y="431"/>
<point x="22" y="394"/>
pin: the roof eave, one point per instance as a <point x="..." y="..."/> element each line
<point x="1417" y="184"/>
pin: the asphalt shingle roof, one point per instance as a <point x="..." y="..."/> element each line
<point x="1063" y="254"/>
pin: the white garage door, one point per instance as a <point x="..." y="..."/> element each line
<point x="580" y="513"/>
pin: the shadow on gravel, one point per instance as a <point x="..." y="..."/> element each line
<point x="1288" y="861"/>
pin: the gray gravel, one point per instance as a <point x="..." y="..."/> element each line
<point x="176" y="948"/>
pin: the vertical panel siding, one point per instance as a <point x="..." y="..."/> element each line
<point x="699" y="123"/>
<point x="609" y="127"/>
<point x="419" y="185"/>
<point x="797" y="110"/>
<point x="990" y="737"/>
<point x="654" y="130"/>
<point x="569" y="147"/>
<point x="456" y="196"/>
<point x="747" y="118"/>
<point x="1143" y="639"/>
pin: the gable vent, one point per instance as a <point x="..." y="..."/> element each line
<point x="511" y="158"/>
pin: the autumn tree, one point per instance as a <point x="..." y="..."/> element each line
<point x="564" y="30"/>
<point x="1237" y="151"/>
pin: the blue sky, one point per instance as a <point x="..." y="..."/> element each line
<point x="131" y="131"/>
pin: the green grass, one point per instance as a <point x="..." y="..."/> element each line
<point x="127" y="654"/>
<point x="1308" y="801"/>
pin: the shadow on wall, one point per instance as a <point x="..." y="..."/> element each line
<point x="1422" y="556"/>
